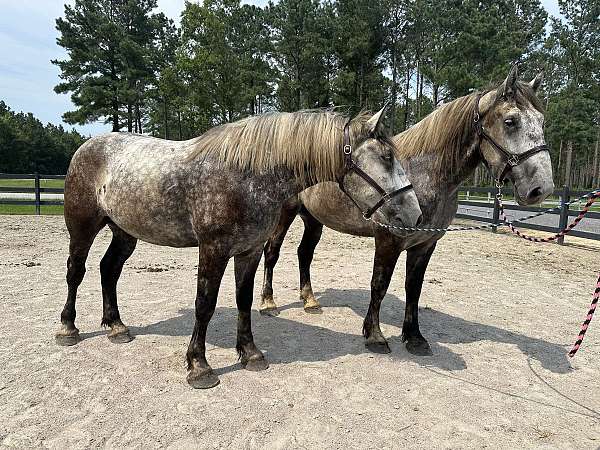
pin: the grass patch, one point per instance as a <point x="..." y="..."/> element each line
<point x="30" y="210"/>
<point x="31" y="183"/>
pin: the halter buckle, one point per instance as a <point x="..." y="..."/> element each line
<point x="347" y="149"/>
<point x="513" y="161"/>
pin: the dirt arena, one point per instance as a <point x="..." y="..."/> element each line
<point x="500" y="314"/>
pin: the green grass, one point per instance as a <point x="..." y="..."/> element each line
<point x="28" y="210"/>
<point x="30" y="183"/>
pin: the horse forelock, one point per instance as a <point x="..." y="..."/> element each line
<point x="447" y="131"/>
<point x="307" y="142"/>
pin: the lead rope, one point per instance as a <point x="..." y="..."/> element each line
<point x="592" y="198"/>
<point x="588" y="319"/>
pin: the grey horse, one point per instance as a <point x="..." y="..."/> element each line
<point x="501" y="128"/>
<point x="221" y="192"/>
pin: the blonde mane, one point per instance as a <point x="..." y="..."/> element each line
<point x="447" y="131"/>
<point x="444" y="132"/>
<point x="308" y="143"/>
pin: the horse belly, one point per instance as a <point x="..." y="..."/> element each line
<point x="330" y="206"/>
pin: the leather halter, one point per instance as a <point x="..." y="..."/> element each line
<point x="350" y="166"/>
<point x="512" y="159"/>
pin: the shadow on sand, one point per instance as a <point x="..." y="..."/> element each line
<point x="285" y="341"/>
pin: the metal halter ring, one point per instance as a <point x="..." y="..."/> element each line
<point x="347" y="149"/>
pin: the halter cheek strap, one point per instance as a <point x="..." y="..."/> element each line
<point x="512" y="159"/>
<point x="350" y="166"/>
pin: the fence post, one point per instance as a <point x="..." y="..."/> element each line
<point x="564" y="212"/>
<point x="37" y="193"/>
<point x="496" y="217"/>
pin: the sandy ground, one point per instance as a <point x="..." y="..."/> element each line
<point x="499" y="312"/>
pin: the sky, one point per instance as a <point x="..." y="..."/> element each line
<point x="28" y="43"/>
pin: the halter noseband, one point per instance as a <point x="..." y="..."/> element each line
<point x="350" y="166"/>
<point x="512" y="159"/>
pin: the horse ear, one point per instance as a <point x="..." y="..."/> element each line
<point x="509" y="87"/>
<point x="537" y="81"/>
<point x="375" y="123"/>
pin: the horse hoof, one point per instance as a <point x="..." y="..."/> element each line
<point x="122" y="337"/>
<point x="269" y="311"/>
<point x="311" y="305"/>
<point x="419" y="348"/>
<point x="203" y="380"/>
<point x="67" y="340"/>
<point x="378" y="347"/>
<point x="255" y="364"/>
<point x="313" y="309"/>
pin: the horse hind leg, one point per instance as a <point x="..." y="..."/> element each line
<point x="82" y="234"/>
<point x="120" y="249"/>
<point x="271" y="252"/>
<point x="306" y="250"/>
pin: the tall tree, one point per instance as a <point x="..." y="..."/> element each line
<point x="109" y="45"/>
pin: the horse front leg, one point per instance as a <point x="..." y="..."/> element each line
<point x="387" y="251"/>
<point x="211" y="266"/>
<point x="245" y="270"/>
<point x="271" y="251"/>
<point x="417" y="259"/>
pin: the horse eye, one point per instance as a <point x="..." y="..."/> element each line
<point x="386" y="157"/>
<point x="510" y="123"/>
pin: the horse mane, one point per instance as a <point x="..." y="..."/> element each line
<point x="308" y="142"/>
<point x="447" y="131"/>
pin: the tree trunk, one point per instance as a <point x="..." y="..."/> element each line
<point x="179" y="124"/>
<point x="166" y="125"/>
<point x="129" y="118"/>
<point x="436" y="93"/>
<point x="568" y="163"/>
<point x="417" y="102"/>
<point x="406" y="98"/>
<point x="596" y="167"/>
<point x="392" y="120"/>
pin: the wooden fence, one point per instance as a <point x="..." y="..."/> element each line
<point x="565" y="212"/>
<point x="36" y="190"/>
<point x="564" y="195"/>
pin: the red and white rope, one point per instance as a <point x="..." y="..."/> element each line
<point x="586" y="323"/>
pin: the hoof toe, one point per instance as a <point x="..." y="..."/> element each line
<point x="378" y="347"/>
<point x="255" y="364"/>
<point x="204" y="380"/>
<point x="314" y="309"/>
<point x="271" y="311"/>
<point x="67" y="340"/>
<point x="122" y="337"/>
<point x="419" y="348"/>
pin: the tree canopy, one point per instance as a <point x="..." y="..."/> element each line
<point x="131" y="67"/>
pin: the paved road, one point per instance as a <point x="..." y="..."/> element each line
<point x="591" y="225"/>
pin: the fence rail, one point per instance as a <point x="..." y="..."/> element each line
<point x="36" y="190"/>
<point x="489" y="204"/>
<point x="565" y="195"/>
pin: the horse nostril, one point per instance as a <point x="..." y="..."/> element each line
<point x="535" y="193"/>
<point x="419" y="220"/>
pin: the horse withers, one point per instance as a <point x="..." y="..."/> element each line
<point x="501" y="128"/>
<point x="223" y="193"/>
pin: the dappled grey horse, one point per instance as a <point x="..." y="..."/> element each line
<point x="223" y="193"/>
<point x="501" y="128"/>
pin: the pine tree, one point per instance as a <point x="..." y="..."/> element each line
<point x="109" y="44"/>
